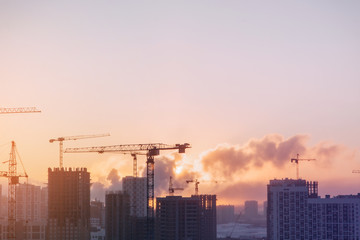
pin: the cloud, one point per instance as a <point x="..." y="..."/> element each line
<point x="227" y="161"/>
<point x="165" y="167"/>
<point x="98" y="189"/>
<point x="115" y="180"/>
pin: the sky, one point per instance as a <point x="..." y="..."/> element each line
<point x="249" y="84"/>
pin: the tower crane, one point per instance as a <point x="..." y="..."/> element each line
<point x="196" y="185"/>
<point x="172" y="189"/>
<point x="296" y="160"/>
<point x="11" y="174"/>
<point x="19" y="110"/>
<point x="151" y="150"/>
<point x="61" y="144"/>
<point x="134" y="156"/>
<point x="13" y="179"/>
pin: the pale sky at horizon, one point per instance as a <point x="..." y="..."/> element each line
<point x="203" y="72"/>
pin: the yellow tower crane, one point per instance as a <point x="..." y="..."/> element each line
<point x="12" y="173"/>
<point x="61" y="144"/>
<point x="13" y="179"/>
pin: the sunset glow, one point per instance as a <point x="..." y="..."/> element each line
<point x="249" y="85"/>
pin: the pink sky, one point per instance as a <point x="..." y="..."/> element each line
<point x="204" y="72"/>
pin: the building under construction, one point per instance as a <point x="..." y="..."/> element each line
<point x="69" y="204"/>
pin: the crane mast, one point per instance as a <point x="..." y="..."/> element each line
<point x="151" y="150"/>
<point x="134" y="155"/>
<point x="13" y="180"/>
<point x="134" y="164"/>
<point x="296" y="161"/>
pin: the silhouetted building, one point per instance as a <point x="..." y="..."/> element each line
<point x="97" y="214"/>
<point x="69" y="204"/>
<point x="135" y="187"/>
<point x="97" y="220"/>
<point x="208" y="217"/>
<point x="296" y="212"/>
<point x="225" y="213"/>
<point x="186" y="217"/>
<point x="251" y="209"/>
<point x="117" y="215"/>
<point x="177" y="218"/>
<point x="138" y="228"/>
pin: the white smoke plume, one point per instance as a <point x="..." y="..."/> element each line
<point x="228" y="161"/>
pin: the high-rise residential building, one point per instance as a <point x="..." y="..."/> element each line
<point x="69" y="204"/>
<point x="117" y="216"/>
<point x="225" y="214"/>
<point x="287" y="209"/>
<point x="30" y="223"/>
<point x="208" y="217"/>
<point x="177" y="218"/>
<point x="135" y="187"/>
<point x="186" y="217"/>
<point x="25" y="230"/>
<point x="295" y="211"/>
<point x="44" y="203"/>
<point x="251" y="209"/>
<point x="28" y="202"/>
<point x="334" y="218"/>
